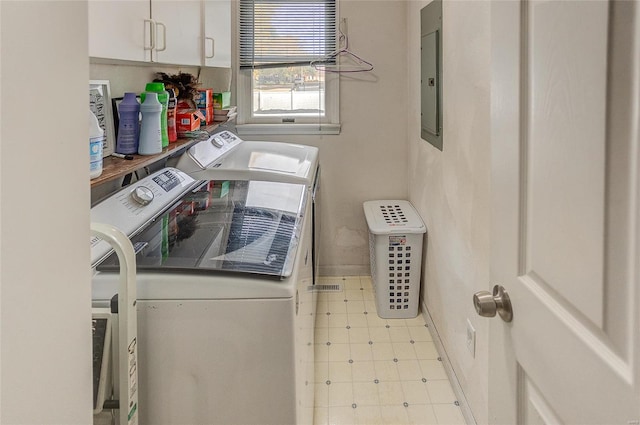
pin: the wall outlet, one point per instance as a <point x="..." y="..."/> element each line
<point x="471" y="339"/>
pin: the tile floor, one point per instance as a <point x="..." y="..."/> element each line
<point x="370" y="370"/>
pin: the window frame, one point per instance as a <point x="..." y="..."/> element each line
<point x="248" y="124"/>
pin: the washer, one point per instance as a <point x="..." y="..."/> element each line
<point x="225" y="306"/>
<point x="225" y="155"/>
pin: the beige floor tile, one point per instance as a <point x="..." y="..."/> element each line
<point x="440" y="392"/>
<point x="399" y="333"/>
<point x="396" y="415"/>
<point x="361" y="352"/>
<point x="419" y="333"/>
<point x="415" y="392"/>
<point x="386" y="370"/>
<point x="352" y="283"/>
<point x="322" y="395"/>
<point x="432" y="369"/>
<point x="365" y="394"/>
<point x="379" y="334"/>
<point x="384" y="392"/>
<point x="369" y="415"/>
<point x="368" y="295"/>
<point x="374" y="320"/>
<point x="382" y="351"/>
<point x="426" y="350"/>
<point x="421" y="414"/>
<point x="339" y="372"/>
<point x="358" y="320"/>
<point x="321" y="352"/>
<point x="371" y="307"/>
<point x="354" y="295"/>
<point x="340" y="394"/>
<point x="390" y="393"/>
<point x="321" y="416"/>
<point x="363" y="371"/>
<point x="342" y="416"/>
<point x="339" y="352"/>
<point x="359" y="336"/>
<point x="404" y="350"/>
<point x="322" y="307"/>
<point x="321" y="335"/>
<point x="338" y="321"/>
<point x="355" y="307"/>
<point x="338" y="335"/>
<point x="321" y="372"/>
<point x="337" y="307"/>
<point x="415" y="321"/>
<point x="322" y="321"/>
<point x="409" y="370"/>
<point x="335" y="296"/>
<point x="366" y="281"/>
<point x="448" y="414"/>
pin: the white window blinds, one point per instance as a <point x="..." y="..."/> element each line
<point x="280" y="33"/>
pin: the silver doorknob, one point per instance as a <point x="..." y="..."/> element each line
<point x="487" y="304"/>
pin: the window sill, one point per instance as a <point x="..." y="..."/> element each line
<point x="287" y="129"/>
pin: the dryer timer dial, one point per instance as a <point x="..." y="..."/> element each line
<point x="142" y="195"/>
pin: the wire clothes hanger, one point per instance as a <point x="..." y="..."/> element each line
<point x="328" y="65"/>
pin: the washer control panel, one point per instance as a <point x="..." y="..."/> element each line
<point x="205" y="153"/>
<point x="133" y="206"/>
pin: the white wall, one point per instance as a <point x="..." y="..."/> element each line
<point x="45" y="363"/>
<point x="450" y="189"/>
<point x="368" y="159"/>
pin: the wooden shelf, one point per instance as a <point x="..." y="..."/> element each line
<point x="114" y="168"/>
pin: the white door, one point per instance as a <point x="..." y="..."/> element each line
<point x="565" y="217"/>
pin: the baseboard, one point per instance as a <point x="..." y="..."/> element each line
<point x="344" y="271"/>
<point x="455" y="384"/>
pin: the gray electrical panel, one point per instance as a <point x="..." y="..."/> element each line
<point x="431" y="73"/>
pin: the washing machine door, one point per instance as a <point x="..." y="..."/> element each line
<point x="225" y="226"/>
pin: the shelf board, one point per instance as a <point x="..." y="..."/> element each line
<point x="114" y="168"/>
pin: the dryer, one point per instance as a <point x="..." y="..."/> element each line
<point x="225" y="320"/>
<point x="225" y="155"/>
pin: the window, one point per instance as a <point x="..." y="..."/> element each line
<point x="278" y="90"/>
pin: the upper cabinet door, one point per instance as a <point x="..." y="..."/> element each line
<point x="178" y="25"/>
<point x="217" y="33"/>
<point x="120" y="30"/>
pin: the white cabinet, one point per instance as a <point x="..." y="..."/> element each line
<point x="178" y="31"/>
<point x="120" y="30"/>
<point x="181" y="32"/>
<point x="217" y="33"/>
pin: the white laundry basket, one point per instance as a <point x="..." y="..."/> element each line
<point x="396" y="233"/>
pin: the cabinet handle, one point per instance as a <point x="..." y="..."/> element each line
<point x="213" y="51"/>
<point x="152" y="34"/>
<point x="164" y="37"/>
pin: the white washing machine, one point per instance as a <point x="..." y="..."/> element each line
<point x="224" y="275"/>
<point x="225" y="155"/>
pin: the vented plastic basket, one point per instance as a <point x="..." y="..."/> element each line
<point x="396" y="232"/>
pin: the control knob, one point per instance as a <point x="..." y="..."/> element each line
<point x="217" y="142"/>
<point x="142" y="195"/>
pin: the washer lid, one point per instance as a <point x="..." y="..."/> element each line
<point x="233" y="226"/>
<point x="252" y="160"/>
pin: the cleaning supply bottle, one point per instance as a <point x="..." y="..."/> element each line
<point x="96" y="139"/>
<point x="151" y="127"/>
<point x="163" y="98"/>
<point x="129" y="125"/>
<point x="171" y="116"/>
